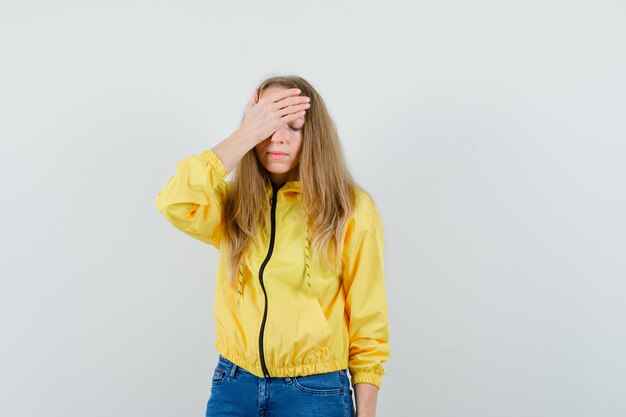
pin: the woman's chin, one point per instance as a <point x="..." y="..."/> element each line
<point x="277" y="167"/>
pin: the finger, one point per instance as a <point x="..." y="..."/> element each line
<point x="292" y="116"/>
<point x="281" y="94"/>
<point x="291" y="101"/>
<point x="294" y="109"/>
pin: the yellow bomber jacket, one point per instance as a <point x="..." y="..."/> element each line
<point x="288" y="316"/>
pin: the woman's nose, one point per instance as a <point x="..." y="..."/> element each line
<point x="278" y="136"/>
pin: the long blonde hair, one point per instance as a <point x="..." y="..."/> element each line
<point x="327" y="186"/>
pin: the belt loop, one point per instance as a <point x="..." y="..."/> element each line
<point x="232" y="370"/>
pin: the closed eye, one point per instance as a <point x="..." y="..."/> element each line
<point x="294" y="129"/>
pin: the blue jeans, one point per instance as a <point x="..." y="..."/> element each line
<point x="236" y="392"/>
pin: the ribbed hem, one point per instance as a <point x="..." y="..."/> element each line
<point x="212" y="161"/>
<point x="291" y="371"/>
<point x="368" y="377"/>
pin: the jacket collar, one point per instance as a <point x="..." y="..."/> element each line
<point x="291" y="189"/>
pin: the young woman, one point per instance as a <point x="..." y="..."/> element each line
<point x="300" y="296"/>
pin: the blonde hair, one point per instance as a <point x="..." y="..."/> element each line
<point x="327" y="187"/>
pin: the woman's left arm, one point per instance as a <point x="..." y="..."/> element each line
<point x="366" y="396"/>
<point x="366" y="303"/>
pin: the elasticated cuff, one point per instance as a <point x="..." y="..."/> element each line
<point x="214" y="163"/>
<point x="368" y="377"/>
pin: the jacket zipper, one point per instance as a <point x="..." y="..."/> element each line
<point x="262" y="268"/>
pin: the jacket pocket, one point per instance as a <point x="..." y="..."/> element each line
<point x="297" y="332"/>
<point x="321" y="319"/>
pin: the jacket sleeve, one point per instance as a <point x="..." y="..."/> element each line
<point x="193" y="198"/>
<point x="364" y="288"/>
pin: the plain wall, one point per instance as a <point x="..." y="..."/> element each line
<point x="491" y="134"/>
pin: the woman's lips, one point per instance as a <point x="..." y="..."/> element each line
<point x="276" y="155"/>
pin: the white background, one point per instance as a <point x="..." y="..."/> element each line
<point x="491" y="134"/>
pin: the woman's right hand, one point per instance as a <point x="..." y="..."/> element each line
<point x="263" y="117"/>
